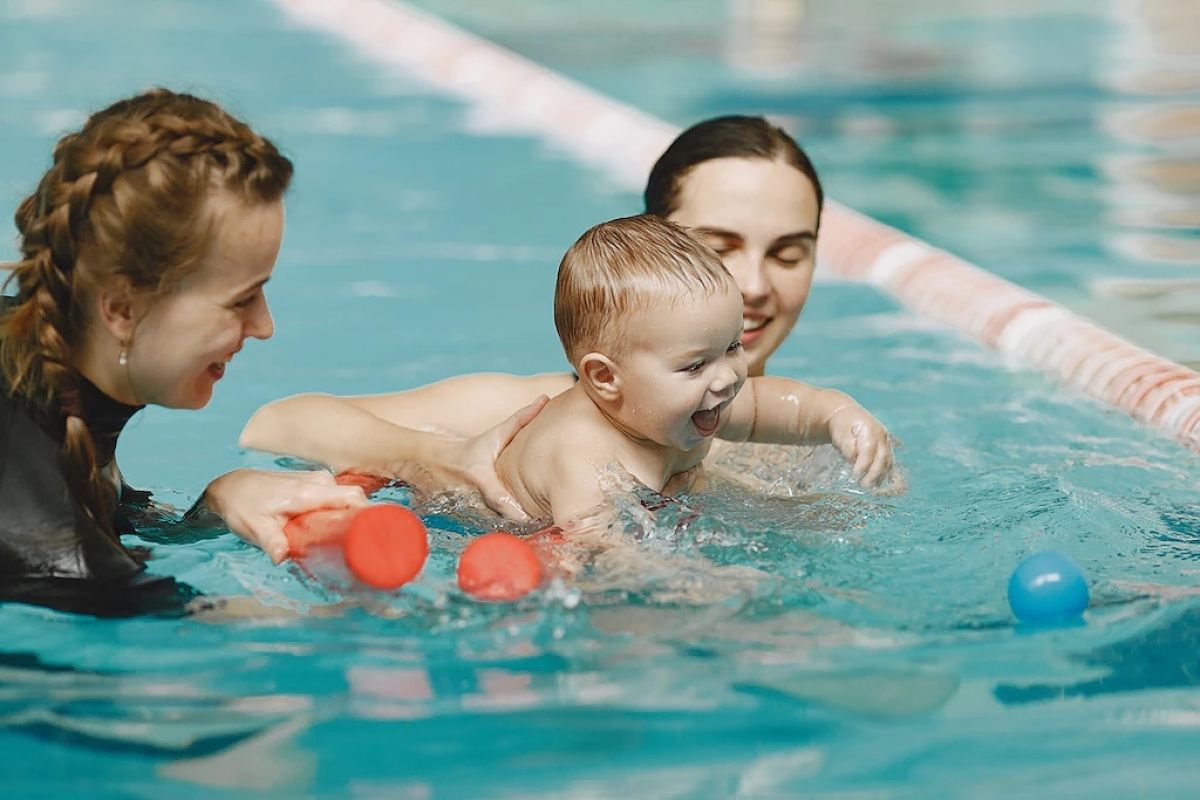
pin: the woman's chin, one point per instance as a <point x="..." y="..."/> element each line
<point x="194" y="400"/>
<point x="756" y="352"/>
<point x="756" y="364"/>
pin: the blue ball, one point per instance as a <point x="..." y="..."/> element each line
<point x="1047" y="587"/>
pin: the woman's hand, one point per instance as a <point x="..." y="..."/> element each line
<point x="256" y="504"/>
<point x="863" y="442"/>
<point x="472" y="462"/>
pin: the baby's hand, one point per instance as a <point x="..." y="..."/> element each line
<point x="863" y="442"/>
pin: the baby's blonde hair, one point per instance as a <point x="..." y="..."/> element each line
<point x="623" y="266"/>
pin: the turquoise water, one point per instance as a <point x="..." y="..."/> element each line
<point x="836" y="645"/>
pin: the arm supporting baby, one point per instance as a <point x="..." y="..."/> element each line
<point x="467" y="405"/>
<point x="782" y="411"/>
<point x="340" y="434"/>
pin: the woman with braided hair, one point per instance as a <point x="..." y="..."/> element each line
<point x="144" y="252"/>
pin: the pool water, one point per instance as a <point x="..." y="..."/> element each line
<point x="811" y="642"/>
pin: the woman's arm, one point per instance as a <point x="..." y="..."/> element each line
<point x="341" y="433"/>
<point x="782" y="411"/>
<point x="376" y="433"/>
<point x="377" y="430"/>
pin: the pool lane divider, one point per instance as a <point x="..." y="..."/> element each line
<point x="508" y="93"/>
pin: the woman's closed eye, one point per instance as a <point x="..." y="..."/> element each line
<point x="246" y="302"/>
<point x="790" y="255"/>
<point x="721" y="244"/>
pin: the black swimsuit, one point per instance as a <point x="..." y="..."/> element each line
<point x="51" y="553"/>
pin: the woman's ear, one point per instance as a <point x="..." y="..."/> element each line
<point x="117" y="308"/>
<point x="600" y="374"/>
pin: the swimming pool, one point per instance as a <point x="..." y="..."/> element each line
<point x="875" y="657"/>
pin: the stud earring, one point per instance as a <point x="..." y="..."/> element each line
<point x="123" y="358"/>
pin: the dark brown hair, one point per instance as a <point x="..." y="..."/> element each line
<point x="722" y="137"/>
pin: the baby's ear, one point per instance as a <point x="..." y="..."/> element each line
<point x="599" y="373"/>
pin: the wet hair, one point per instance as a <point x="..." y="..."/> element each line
<point x="722" y="137"/>
<point x="126" y="200"/>
<point x="627" y="265"/>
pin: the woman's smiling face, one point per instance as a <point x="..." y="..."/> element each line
<point x="185" y="337"/>
<point x="760" y="216"/>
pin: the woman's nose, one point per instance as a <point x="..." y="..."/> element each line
<point x="751" y="277"/>
<point x="260" y="325"/>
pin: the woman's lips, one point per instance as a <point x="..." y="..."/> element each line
<point x="753" y="328"/>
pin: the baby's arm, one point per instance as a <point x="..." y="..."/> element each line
<point x="782" y="411"/>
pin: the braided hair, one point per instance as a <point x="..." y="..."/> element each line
<point x="125" y="199"/>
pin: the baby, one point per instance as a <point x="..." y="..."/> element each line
<point x="652" y="323"/>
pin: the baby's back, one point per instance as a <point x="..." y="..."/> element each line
<point x="568" y="431"/>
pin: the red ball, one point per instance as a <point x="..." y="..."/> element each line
<point x="386" y="546"/>
<point x="499" y="566"/>
<point x="366" y="481"/>
<point x="325" y="526"/>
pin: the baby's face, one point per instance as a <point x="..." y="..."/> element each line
<point x="683" y="367"/>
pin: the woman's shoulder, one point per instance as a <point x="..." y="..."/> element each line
<point x="44" y="531"/>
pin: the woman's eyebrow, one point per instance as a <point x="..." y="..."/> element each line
<point x="789" y="239"/>
<point x="704" y="230"/>
<point x="254" y="287"/>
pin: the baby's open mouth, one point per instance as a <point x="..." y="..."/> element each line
<point x="706" y="421"/>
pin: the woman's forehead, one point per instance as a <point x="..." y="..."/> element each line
<point x="245" y="243"/>
<point x="732" y="191"/>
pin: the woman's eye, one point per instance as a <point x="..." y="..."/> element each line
<point x="721" y="247"/>
<point x="790" y="256"/>
<point x="247" y="302"/>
